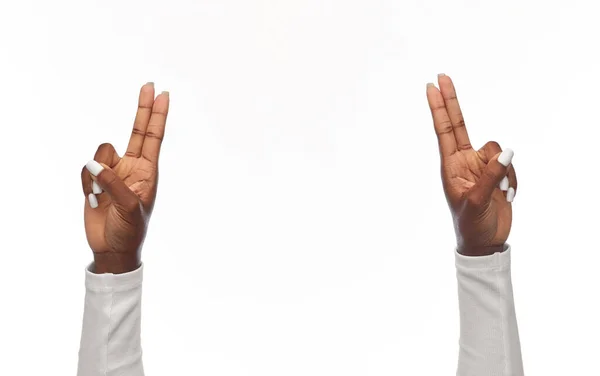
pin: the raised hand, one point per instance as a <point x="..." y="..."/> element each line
<point x="120" y="192"/>
<point x="480" y="185"/>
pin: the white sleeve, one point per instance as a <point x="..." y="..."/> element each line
<point x="110" y="338"/>
<point x="489" y="338"/>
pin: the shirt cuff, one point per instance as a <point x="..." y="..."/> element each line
<point x="496" y="260"/>
<point x="113" y="282"/>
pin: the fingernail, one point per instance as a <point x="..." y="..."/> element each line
<point x="165" y="93"/>
<point x="510" y="195"/>
<point x="150" y="83"/>
<point x="441" y="74"/>
<point x="504" y="184"/>
<point x="93" y="201"/>
<point x="430" y="84"/>
<point x="97" y="190"/>
<point x="506" y="157"/>
<point x="94" y="167"/>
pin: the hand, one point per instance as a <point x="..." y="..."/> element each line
<point x="120" y="192"/>
<point x="480" y="185"/>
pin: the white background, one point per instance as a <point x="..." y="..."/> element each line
<point x="300" y="226"/>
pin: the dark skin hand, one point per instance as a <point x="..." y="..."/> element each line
<point x="116" y="225"/>
<point x="482" y="212"/>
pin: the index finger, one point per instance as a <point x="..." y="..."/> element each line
<point x="156" y="128"/>
<point x="142" y="117"/>
<point x="441" y="121"/>
<point x="453" y="107"/>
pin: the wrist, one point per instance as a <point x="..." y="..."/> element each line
<point x="115" y="263"/>
<point x="479" y="250"/>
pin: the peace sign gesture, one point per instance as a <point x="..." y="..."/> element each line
<point x="120" y="192"/>
<point x="480" y="185"/>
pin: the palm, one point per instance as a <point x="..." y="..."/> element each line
<point x="460" y="173"/>
<point x="138" y="175"/>
<point x="462" y="170"/>
<point x="107" y="229"/>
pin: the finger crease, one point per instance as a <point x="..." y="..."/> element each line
<point x="444" y="131"/>
<point x="153" y="135"/>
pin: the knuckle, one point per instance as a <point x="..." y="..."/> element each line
<point x="108" y="178"/>
<point x="474" y="199"/>
<point x="444" y="127"/>
<point x="139" y="132"/>
<point x="158" y="113"/>
<point x="105" y="146"/>
<point x="494" y="145"/>
<point x="131" y="206"/>
<point x="104" y="152"/>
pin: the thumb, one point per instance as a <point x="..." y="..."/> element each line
<point x="492" y="175"/>
<point x="121" y="196"/>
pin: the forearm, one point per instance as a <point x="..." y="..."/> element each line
<point x="110" y="338"/>
<point x="489" y="337"/>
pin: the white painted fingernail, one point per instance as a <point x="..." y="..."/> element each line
<point x="506" y="157"/>
<point x="93" y="201"/>
<point x="97" y="190"/>
<point x="504" y="184"/>
<point x="94" y="167"/>
<point x="510" y="195"/>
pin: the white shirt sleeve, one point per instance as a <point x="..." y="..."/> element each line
<point x="489" y="337"/>
<point x="110" y="338"/>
